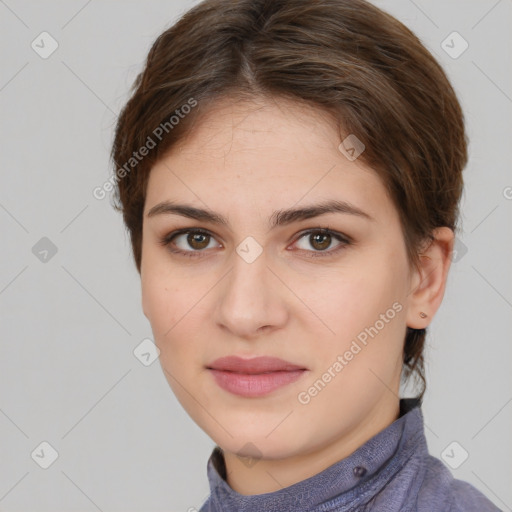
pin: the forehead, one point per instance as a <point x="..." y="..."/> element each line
<point x="263" y="154"/>
<point x="260" y="124"/>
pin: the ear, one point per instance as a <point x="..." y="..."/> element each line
<point x="428" y="281"/>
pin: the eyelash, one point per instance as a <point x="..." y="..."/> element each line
<point x="345" y="241"/>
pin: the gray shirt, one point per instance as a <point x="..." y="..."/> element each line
<point x="392" y="471"/>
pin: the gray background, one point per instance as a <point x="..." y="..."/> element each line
<point x="69" y="325"/>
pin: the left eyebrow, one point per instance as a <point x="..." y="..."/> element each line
<point x="278" y="217"/>
<point x="284" y="217"/>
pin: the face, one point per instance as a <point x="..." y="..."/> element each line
<point x="239" y="261"/>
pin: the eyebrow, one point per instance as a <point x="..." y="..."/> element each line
<point x="278" y="218"/>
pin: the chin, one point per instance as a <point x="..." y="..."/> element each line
<point x="258" y="448"/>
<point x="255" y="441"/>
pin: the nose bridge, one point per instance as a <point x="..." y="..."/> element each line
<point x="249" y="300"/>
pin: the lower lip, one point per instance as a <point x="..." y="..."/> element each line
<point x="254" y="385"/>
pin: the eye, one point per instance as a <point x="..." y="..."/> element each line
<point x="188" y="242"/>
<point x="320" y="240"/>
<point x="194" y="242"/>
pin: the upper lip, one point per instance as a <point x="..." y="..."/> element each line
<point x="255" y="365"/>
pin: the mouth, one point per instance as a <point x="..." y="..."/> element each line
<point x="254" y="377"/>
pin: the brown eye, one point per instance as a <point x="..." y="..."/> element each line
<point x="320" y="241"/>
<point x="189" y="242"/>
<point x="198" y="241"/>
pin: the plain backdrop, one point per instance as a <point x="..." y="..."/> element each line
<point x="70" y="303"/>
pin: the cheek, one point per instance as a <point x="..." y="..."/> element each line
<point x="364" y="307"/>
<point x="157" y="303"/>
<point x="175" y="311"/>
<point x="161" y="291"/>
<point x="172" y="318"/>
<point x="163" y="302"/>
<point x="350" y="298"/>
<point x="366" y="312"/>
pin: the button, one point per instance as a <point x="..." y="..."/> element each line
<point x="359" y="471"/>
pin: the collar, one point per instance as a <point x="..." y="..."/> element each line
<point x="351" y="481"/>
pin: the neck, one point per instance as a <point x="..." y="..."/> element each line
<point x="270" y="475"/>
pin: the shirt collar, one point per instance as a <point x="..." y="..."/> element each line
<point x="365" y="470"/>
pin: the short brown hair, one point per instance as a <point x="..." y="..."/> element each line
<point x="345" y="57"/>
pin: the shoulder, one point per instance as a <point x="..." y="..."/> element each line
<point x="466" y="498"/>
<point x="441" y="491"/>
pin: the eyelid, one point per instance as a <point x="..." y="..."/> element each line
<point x="327" y="231"/>
<point x="168" y="238"/>
<point x="342" y="238"/>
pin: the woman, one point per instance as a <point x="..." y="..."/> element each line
<point x="290" y="172"/>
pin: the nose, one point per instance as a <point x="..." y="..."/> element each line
<point x="251" y="300"/>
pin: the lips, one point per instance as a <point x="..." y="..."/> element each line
<point x="254" y="377"/>
<point x="253" y="366"/>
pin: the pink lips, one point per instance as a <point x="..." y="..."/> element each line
<point x="253" y="377"/>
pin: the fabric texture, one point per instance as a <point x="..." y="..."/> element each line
<point x="391" y="472"/>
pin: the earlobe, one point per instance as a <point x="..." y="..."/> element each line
<point x="429" y="280"/>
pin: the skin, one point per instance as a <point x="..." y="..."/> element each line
<point x="244" y="161"/>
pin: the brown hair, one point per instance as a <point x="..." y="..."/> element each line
<point x="345" y="57"/>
